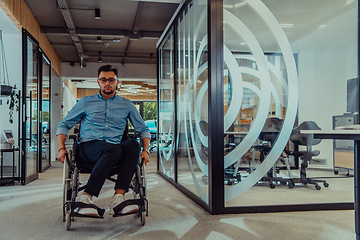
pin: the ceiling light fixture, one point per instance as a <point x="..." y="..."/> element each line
<point x="97" y="13"/>
<point x="100" y="58"/>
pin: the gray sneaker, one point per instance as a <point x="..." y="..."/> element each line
<point x="117" y="199"/>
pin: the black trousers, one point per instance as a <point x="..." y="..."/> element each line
<point x="105" y="156"/>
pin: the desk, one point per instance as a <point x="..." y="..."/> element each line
<point x="349" y="135"/>
<point x="13" y="150"/>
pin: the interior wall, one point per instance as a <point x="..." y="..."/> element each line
<point x="56" y="111"/>
<point x="13" y="53"/>
<point x="322" y="86"/>
<point x="68" y="101"/>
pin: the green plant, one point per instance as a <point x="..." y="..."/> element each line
<point x="13" y="102"/>
<point x="150" y="111"/>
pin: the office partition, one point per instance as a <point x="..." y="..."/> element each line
<point x="235" y="78"/>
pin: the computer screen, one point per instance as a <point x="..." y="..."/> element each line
<point x="9" y="136"/>
<point x="352" y="95"/>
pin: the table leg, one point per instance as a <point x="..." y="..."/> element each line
<point x="356" y="186"/>
<point x="2" y="162"/>
<point x="13" y="169"/>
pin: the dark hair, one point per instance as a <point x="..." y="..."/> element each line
<point x="107" y="68"/>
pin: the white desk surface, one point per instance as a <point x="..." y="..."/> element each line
<point x="335" y="132"/>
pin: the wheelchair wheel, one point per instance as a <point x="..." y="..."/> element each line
<point x="141" y="190"/>
<point x="66" y="187"/>
<point x="75" y="185"/>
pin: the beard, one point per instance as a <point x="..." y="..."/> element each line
<point x="109" y="92"/>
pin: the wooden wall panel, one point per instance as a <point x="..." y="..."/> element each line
<point x="10" y="10"/>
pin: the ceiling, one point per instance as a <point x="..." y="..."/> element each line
<point x="127" y="31"/>
<point x="125" y="34"/>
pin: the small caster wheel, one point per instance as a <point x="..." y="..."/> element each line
<point x="291" y="185"/>
<point x="348" y="174"/>
<point x="326" y="184"/>
<point x="142" y="218"/>
<point x="336" y="172"/>
<point x="317" y="187"/>
<point x="272" y="186"/>
<point x="68" y="221"/>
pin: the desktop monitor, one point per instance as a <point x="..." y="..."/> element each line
<point x="352" y="95"/>
<point x="9" y="137"/>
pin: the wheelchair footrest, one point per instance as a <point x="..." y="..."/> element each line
<point x="85" y="205"/>
<point x="139" y="202"/>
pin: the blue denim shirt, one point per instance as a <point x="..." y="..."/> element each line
<point x="103" y="119"/>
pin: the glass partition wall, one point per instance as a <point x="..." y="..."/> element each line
<point x="35" y="110"/>
<point x="237" y="81"/>
<point x="45" y="161"/>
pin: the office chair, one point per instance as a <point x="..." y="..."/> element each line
<point x="268" y="135"/>
<point x="305" y="156"/>
<point x="230" y="175"/>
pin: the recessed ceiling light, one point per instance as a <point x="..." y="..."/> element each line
<point x="322" y="27"/>
<point x="97" y="13"/>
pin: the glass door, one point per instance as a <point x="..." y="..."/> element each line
<point x="30" y="133"/>
<point x="44" y="125"/>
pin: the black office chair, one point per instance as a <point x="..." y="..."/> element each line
<point x="230" y="176"/>
<point x="268" y="135"/>
<point x="305" y="156"/>
<point x="72" y="186"/>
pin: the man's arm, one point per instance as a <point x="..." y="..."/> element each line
<point x="145" y="154"/>
<point x="62" y="149"/>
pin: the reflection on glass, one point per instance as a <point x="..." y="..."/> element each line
<point x="281" y="69"/>
<point x="166" y="108"/>
<point x="45" y="112"/>
<point x="31" y="110"/>
<point x="192" y="100"/>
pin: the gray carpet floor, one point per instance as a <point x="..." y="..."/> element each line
<point x="34" y="211"/>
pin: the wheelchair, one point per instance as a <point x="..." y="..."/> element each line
<point x="72" y="187"/>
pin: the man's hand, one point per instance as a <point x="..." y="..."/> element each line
<point x="144" y="155"/>
<point x="61" y="155"/>
<point x="62" y="148"/>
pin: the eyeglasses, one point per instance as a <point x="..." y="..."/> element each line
<point x="104" y="80"/>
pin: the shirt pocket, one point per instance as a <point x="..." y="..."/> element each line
<point x="96" y="116"/>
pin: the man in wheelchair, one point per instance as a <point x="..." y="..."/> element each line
<point x="103" y="118"/>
